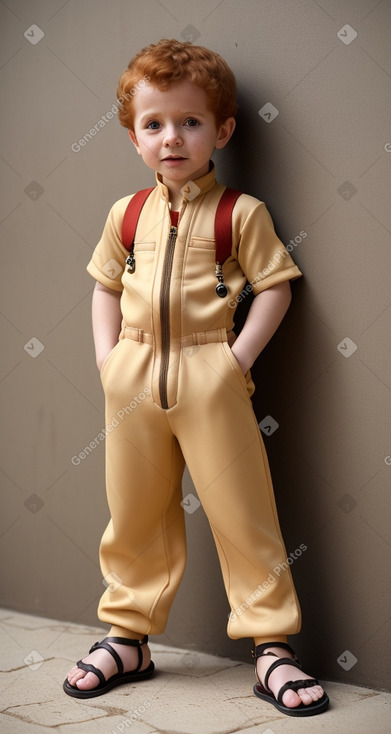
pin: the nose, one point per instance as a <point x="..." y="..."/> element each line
<point x="172" y="137"/>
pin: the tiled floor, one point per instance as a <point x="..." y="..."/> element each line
<point x="192" y="693"/>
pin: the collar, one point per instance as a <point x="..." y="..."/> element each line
<point x="192" y="189"/>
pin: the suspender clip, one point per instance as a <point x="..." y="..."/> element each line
<point x="221" y="288"/>
<point x="130" y="261"/>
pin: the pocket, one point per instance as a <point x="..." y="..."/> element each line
<point x="107" y="359"/>
<point x="202" y="243"/>
<point x="199" y="267"/>
<point x="245" y="379"/>
<point x="144" y="247"/>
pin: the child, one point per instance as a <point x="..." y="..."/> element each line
<point x="164" y="345"/>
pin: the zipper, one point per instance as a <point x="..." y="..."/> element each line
<point x="165" y="314"/>
<point x="165" y="309"/>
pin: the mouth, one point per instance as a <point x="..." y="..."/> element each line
<point x="174" y="158"/>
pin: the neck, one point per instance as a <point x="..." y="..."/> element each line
<point x="173" y="188"/>
<point x="175" y="195"/>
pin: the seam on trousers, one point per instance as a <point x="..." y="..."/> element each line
<point x="228" y="574"/>
<point x="273" y="503"/>
<point x="270" y="489"/>
<point x="298" y="625"/>
<point x="166" y="585"/>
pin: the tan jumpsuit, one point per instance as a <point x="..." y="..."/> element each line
<point x="175" y="394"/>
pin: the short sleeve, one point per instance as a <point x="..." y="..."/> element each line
<point x="262" y="256"/>
<point x="109" y="257"/>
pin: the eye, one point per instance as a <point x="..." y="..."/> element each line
<point x="153" y="125"/>
<point x="191" y="122"/>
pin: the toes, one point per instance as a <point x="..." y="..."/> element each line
<point x="291" y="699"/>
<point x="319" y="691"/>
<point x="90" y="680"/>
<point x="305" y="696"/>
<point x="79" y="678"/>
<point x="75" y="674"/>
<point x="316" y="692"/>
<point x="310" y="695"/>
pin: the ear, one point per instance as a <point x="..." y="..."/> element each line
<point x="134" y="140"/>
<point x="225" y="132"/>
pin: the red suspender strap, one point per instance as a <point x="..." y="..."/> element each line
<point x="223" y="224"/>
<point x="131" y="217"/>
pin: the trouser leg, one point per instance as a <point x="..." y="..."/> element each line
<point x="224" y="451"/>
<point x="143" y="550"/>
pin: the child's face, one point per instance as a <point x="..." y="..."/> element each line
<point x="176" y="133"/>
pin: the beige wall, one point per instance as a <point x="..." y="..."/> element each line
<point x="323" y="165"/>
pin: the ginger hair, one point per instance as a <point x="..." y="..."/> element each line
<point x="170" y="61"/>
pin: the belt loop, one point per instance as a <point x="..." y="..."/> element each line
<point x="140" y="334"/>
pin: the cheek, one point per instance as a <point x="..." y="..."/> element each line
<point x="147" y="147"/>
<point x="203" y="144"/>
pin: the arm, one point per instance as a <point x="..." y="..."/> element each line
<point x="264" y="317"/>
<point x="106" y="321"/>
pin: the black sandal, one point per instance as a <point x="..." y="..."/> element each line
<point x="118" y="678"/>
<point x="264" y="692"/>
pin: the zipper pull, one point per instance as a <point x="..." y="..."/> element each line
<point x="221" y="288"/>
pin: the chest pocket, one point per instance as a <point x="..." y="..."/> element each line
<point x="144" y="254"/>
<point x="202" y="243"/>
<point x="201" y="262"/>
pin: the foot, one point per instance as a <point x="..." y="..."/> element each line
<point x="282" y="675"/>
<point x="105" y="662"/>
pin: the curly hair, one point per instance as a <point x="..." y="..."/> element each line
<point x="170" y="61"/>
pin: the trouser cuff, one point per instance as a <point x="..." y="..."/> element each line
<point x="274" y="638"/>
<point x="123" y="632"/>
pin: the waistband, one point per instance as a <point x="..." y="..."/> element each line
<point x="198" y="337"/>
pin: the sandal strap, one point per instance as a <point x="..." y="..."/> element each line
<point x="295" y="685"/>
<point x="91" y="669"/>
<point x="105" y="646"/>
<point x="119" y="641"/>
<point x="127" y="641"/>
<point x="280" y="661"/>
<point x="133" y="643"/>
<point x="259" y="650"/>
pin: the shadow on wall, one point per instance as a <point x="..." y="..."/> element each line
<point x="298" y="353"/>
<point x="250" y="162"/>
